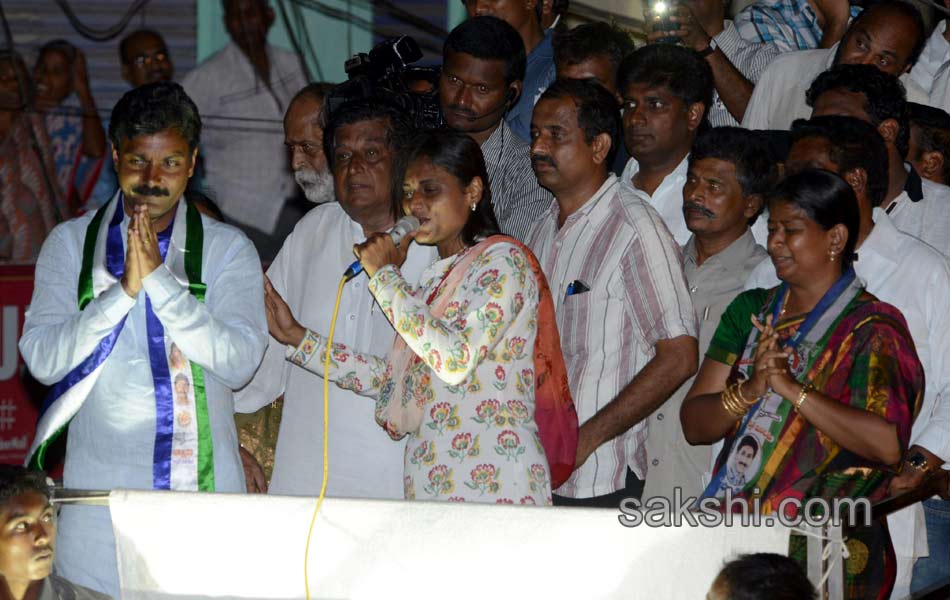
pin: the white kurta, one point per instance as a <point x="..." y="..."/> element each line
<point x="932" y="71"/>
<point x="246" y="167"/>
<point x="111" y="439"/>
<point x="779" y="96"/>
<point x="927" y="219"/>
<point x="364" y="461"/>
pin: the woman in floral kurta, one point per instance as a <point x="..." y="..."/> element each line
<point x="475" y="370"/>
<point x="463" y="389"/>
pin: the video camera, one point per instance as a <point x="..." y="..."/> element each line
<point x="386" y="73"/>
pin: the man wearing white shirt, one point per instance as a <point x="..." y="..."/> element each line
<point x="916" y="206"/>
<point x="889" y="36"/>
<point x="150" y="274"/>
<point x="628" y="333"/>
<point x="362" y="141"/>
<point x="903" y="271"/>
<point x="666" y="92"/>
<point x="247" y="86"/>
<point x="929" y="147"/>
<point x="932" y="71"/>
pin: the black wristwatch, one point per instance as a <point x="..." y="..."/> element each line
<point x="712" y="47"/>
<point x="919" y="462"/>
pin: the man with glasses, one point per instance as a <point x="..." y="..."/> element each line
<point x="145" y="58"/>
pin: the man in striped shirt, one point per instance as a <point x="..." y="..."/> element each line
<point x="627" y="327"/>
<point x="483" y="65"/>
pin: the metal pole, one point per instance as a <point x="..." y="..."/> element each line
<point x="85" y="497"/>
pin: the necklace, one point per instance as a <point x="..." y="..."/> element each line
<point x="784" y="304"/>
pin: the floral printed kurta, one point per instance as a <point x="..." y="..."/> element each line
<point x="474" y="370"/>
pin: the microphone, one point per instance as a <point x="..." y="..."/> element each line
<point x="399" y="230"/>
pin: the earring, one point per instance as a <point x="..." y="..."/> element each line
<point x="474" y="205"/>
<point x="832" y="256"/>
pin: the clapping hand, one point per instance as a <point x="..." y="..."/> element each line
<point x="771" y="361"/>
<point x="80" y="75"/>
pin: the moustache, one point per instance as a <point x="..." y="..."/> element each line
<point x="690" y="205"/>
<point x="537" y="159"/>
<point x="463" y="111"/>
<point x="147" y="190"/>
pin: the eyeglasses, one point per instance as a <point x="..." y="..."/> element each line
<point x="144" y="59"/>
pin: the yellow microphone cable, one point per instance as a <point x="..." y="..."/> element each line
<point x="326" y="447"/>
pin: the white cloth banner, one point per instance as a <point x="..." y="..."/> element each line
<point x="192" y="545"/>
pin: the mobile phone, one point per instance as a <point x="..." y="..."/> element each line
<point x="661" y="10"/>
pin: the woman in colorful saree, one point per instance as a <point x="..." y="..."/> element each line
<point x="813" y="384"/>
<point x="475" y="375"/>
<point x="64" y="98"/>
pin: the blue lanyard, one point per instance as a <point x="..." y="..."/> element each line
<point x="815" y="314"/>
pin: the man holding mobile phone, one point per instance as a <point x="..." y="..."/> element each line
<point x="736" y="63"/>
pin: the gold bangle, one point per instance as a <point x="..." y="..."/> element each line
<point x="737" y="402"/>
<point x="729" y="409"/>
<point x="724" y="400"/>
<point x="802" y="396"/>
<point x="732" y="404"/>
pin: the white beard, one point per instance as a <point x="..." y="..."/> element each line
<point x="316" y="186"/>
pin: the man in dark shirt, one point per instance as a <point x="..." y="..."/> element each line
<point x="28" y="540"/>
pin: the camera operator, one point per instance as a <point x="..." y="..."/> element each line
<point x="387" y="71"/>
<point x="525" y="17"/>
<point x="482" y="71"/>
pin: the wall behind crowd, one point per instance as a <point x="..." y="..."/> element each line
<point x="333" y="41"/>
<point x="193" y="30"/>
<point x="35" y="22"/>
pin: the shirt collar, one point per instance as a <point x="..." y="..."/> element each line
<point x="633" y="167"/>
<point x="883" y="240"/>
<point x="914" y="186"/>
<point x="543" y="51"/>
<point x="830" y="57"/>
<point x="590" y="207"/>
<point x="733" y="256"/>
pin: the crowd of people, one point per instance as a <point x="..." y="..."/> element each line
<point x="714" y="266"/>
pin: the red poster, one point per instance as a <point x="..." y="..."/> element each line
<point x="17" y="412"/>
